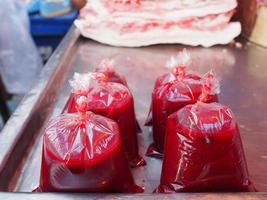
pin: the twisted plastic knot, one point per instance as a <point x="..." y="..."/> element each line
<point x="210" y="86"/>
<point x="179" y="63"/>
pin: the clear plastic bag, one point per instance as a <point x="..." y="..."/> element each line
<point x="20" y="62"/>
<point x="83" y="152"/>
<point x="114" y="101"/>
<point x="205" y="152"/>
<point x="106" y="67"/>
<point x="172" y="91"/>
<point x="178" y="71"/>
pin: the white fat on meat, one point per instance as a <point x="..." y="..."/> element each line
<point x="146" y="22"/>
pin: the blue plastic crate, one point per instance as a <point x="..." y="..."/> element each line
<point x="55" y="26"/>
<point x="48" y="32"/>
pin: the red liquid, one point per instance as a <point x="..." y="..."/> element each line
<point x="113" y="76"/>
<point x="205" y="151"/>
<point x="167" y="98"/>
<point x="114" y="101"/>
<point x="84" y="154"/>
<point x="165" y="78"/>
<point x="162" y="80"/>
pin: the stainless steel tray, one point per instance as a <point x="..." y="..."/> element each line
<point x="243" y="74"/>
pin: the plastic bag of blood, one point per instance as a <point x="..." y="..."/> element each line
<point x="114" y="101"/>
<point x="83" y="152"/>
<point x="106" y="67"/>
<point x="205" y="151"/>
<point x="171" y="93"/>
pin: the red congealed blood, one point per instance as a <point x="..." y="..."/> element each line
<point x="114" y="101"/>
<point x="106" y="67"/>
<point x="172" y="92"/>
<point x="84" y="153"/>
<point x="162" y="80"/>
<point x="168" y="97"/>
<point x="205" y="151"/>
<point x="178" y="65"/>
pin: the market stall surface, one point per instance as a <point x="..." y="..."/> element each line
<point x="243" y="76"/>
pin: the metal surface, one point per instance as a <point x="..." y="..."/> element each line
<point x="194" y="196"/>
<point x="243" y="75"/>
